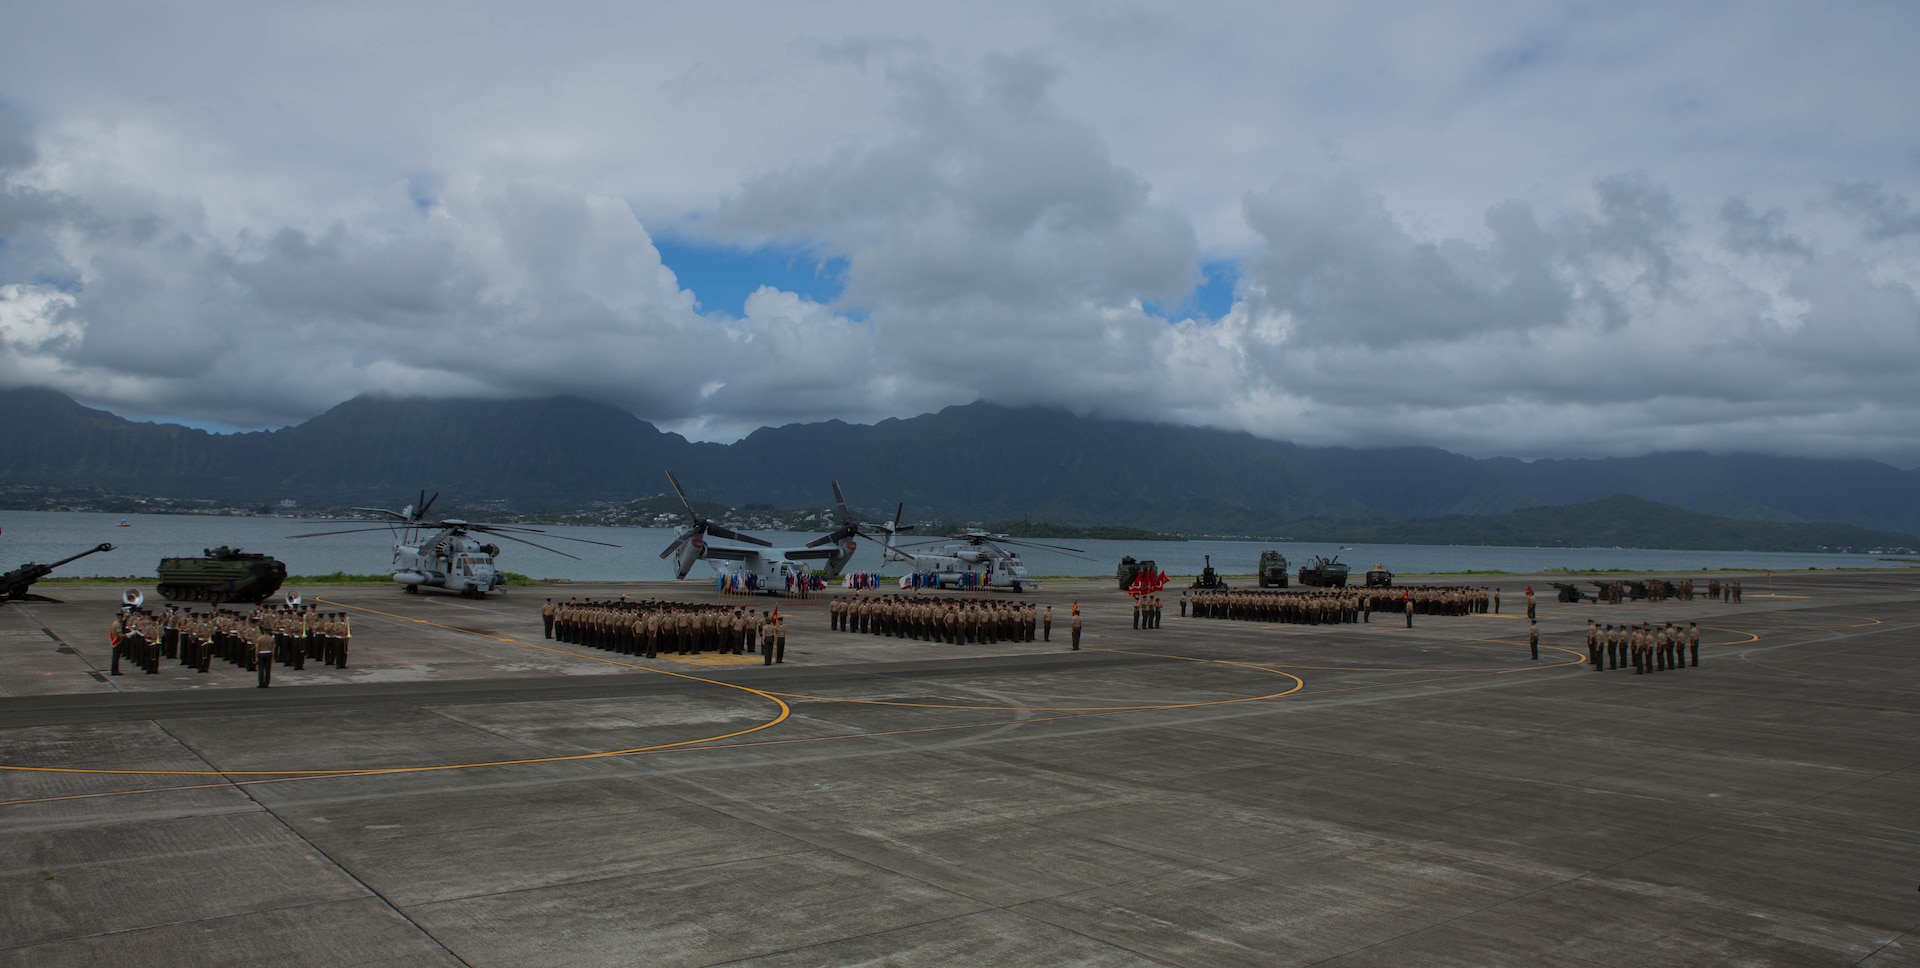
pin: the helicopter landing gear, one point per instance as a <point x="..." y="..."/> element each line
<point x="413" y="589"/>
<point x="1016" y="588"/>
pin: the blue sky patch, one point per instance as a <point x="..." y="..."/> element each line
<point x="722" y="277"/>
<point x="1212" y="299"/>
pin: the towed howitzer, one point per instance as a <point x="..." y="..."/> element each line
<point x="1569" y="592"/>
<point x="1629" y="590"/>
<point x="14" y="584"/>
<point x="1208" y="578"/>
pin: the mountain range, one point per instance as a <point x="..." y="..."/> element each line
<point x="975" y="462"/>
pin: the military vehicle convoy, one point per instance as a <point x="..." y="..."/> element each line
<point x="14" y="585"/>
<point x="1130" y="569"/>
<point x="1324" y="573"/>
<point x="1273" y="570"/>
<point x="221" y="574"/>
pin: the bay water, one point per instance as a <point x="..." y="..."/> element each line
<point x="46" y="536"/>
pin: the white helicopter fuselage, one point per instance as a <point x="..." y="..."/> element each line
<point x="949" y="569"/>
<point x="452" y="560"/>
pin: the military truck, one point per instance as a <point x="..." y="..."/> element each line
<point x="221" y="574"/>
<point x="1272" y="570"/>
<point x="14" y="585"/>
<point x="1379" y="577"/>
<point x="1130" y="569"/>
<point x="1324" y="573"/>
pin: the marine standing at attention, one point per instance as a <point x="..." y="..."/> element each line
<point x="1533" y="639"/>
<point x="1076" y="626"/>
<point x="1046" y="625"/>
<point x="546" y="617"/>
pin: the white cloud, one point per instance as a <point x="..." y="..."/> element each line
<point x="1498" y="228"/>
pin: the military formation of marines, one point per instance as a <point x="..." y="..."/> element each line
<point x="931" y="618"/>
<point x="651" y="627"/>
<point x="1645" y="647"/>
<point x="1660" y="590"/>
<point x="1333" y="606"/>
<point x="254" y="640"/>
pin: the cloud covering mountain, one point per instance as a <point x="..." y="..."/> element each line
<point x="1525" y="230"/>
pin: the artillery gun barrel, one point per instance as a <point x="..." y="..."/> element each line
<point x="96" y="549"/>
<point x="14" y="584"/>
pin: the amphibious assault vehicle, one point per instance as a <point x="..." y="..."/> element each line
<point x="221" y="574"/>
<point x="1272" y="570"/>
<point x="14" y="584"/>
<point x="1324" y="573"/>
<point x="1129" y="569"/>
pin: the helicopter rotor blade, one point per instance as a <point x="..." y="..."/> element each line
<point x="498" y="528"/>
<point x="677" y="489"/>
<point x="838" y="535"/>
<point x="685" y="536"/>
<point x="323" y="534"/>
<point x="922" y="543"/>
<point x="508" y="537"/>
<point x="840" y="501"/>
<point x="1036" y="544"/>
<point x="389" y="512"/>
<point x="428" y="502"/>
<point x="732" y="535"/>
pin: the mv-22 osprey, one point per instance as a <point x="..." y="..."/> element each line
<point x="732" y="553"/>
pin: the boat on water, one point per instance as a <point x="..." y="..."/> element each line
<point x="123" y="524"/>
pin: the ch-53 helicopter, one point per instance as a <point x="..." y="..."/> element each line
<point x="971" y="559"/>
<point x="754" y="562"/>
<point x="450" y="557"/>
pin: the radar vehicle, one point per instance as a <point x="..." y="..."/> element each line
<point x="1324" y="573"/>
<point x="221" y="574"/>
<point x="1273" y="570"/>
<point x="1379" y="577"/>
<point x="14" y="584"/>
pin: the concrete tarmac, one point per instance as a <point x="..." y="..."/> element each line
<point x="1207" y="793"/>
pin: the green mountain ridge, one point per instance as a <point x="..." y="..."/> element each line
<point x="980" y="462"/>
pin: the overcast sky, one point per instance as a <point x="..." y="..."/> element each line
<point x="1502" y="228"/>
